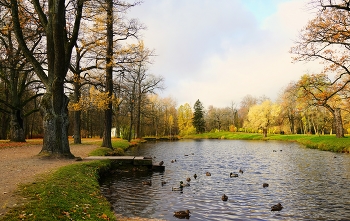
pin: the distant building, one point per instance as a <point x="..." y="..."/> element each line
<point x="114" y="132"/>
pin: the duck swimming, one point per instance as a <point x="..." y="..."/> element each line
<point x="161" y="163"/>
<point x="233" y="175"/>
<point x="182" y="214"/>
<point x="208" y="174"/>
<point x="180" y="188"/>
<point x="188" y="179"/>
<point x="177" y="188"/>
<point x="184" y="184"/>
<point x="277" y="207"/>
<point x="224" y="197"/>
<point x="265" y="185"/>
<point x="241" y="171"/>
<point x="195" y="176"/>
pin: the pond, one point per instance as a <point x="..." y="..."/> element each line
<point x="310" y="184"/>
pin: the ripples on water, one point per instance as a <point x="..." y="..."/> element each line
<point x="310" y="184"/>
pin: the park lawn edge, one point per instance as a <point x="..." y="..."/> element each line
<point x="71" y="192"/>
<point x="320" y="142"/>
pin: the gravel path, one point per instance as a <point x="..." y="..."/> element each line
<point x="21" y="164"/>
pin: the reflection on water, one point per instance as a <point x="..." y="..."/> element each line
<point x="310" y="184"/>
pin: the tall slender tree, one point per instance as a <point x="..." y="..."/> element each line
<point x="198" y="117"/>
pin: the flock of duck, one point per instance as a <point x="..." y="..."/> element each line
<point x="186" y="213"/>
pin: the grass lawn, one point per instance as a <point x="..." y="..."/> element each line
<point x="70" y="193"/>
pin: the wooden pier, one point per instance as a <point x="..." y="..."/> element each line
<point x="134" y="160"/>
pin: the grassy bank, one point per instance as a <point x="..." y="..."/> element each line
<point x="70" y="193"/>
<point x="323" y="142"/>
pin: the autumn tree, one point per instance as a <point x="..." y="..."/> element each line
<point x="288" y="102"/>
<point x="17" y="77"/>
<point x="263" y="116"/>
<point x="184" y="116"/>
<point x="60" y="34"/>
<point x="83" y="61"/>
<point x="140" y="83"/>
<point x="319" y="90"/>
<point x="114" y="35"/>
<point x="247" y="102"/>
<point x="326" y="38"/>
<point x="233" y="117"/>
<point x="159" y="116"/>
<point x="198" y="117"/>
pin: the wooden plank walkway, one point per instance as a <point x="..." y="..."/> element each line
<point x="135" y="160"/>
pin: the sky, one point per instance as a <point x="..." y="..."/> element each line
<point x="221" y="51"/>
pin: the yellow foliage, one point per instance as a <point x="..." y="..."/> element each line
<point x="95" y="100"/>
<point x="233" y="128"/>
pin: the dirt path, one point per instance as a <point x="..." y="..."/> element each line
<point x="21" y="164"/>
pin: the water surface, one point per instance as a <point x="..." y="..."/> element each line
<point x="310" y="184"/>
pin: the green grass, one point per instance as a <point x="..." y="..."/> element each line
<point x="323" y="142"/>
<point x="70" y="193"/>
<point x="119" y="146"/>
<point x="116" y="143"/>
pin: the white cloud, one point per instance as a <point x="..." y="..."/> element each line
<point x="217" y="52"/>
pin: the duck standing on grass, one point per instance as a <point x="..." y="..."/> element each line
<point x="182" y="214"/>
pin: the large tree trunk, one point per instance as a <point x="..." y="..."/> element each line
<point x="107" y="142"/>
<point x="338" y="123"/>
<point x="16" y="127"/>
<point x="59" y="45"/>
<point x="107" y="138"/>
<point x="55" y="125"/>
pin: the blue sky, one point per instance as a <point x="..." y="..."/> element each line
<point x="220" y="51"/>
